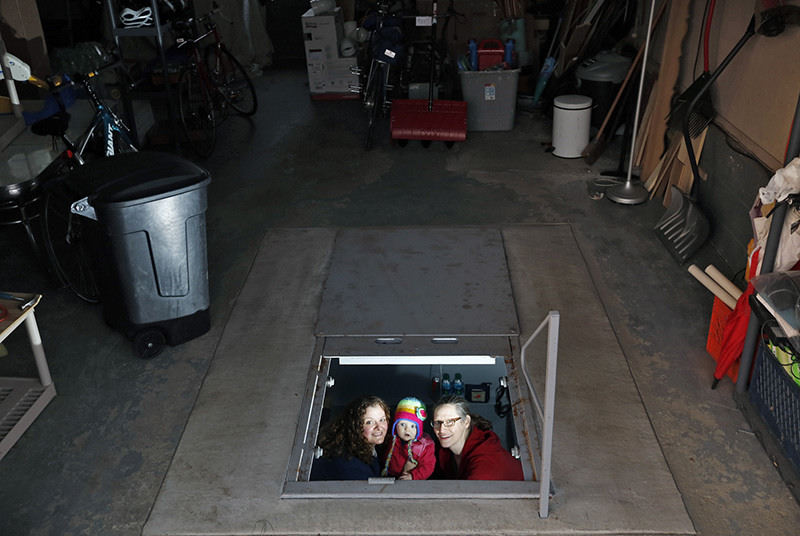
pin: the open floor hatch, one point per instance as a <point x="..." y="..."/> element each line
<point x="401" y="307"/>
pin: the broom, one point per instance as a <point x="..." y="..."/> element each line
<point x="596" y="147"/>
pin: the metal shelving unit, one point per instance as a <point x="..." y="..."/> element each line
<point x="156" y="31"/>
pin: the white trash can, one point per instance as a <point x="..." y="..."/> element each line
<point x="572" y="117"/>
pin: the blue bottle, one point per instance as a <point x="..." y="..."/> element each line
<point x="446" y="386"/>
<point x="508" y="55"/>
<point x="458" y="385"/>
<point x="473" y="55"/>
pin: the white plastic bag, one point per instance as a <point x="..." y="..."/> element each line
<point x="786" y="181"/>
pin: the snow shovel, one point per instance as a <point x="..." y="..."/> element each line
<point x="684" y="228"/>
<point x="429" y="120"/>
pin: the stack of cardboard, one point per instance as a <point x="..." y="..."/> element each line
<point x="674" y="168"/>
<point x="329" y="75"/>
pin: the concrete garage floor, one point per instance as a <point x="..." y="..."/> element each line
<point x="96" y="460"/>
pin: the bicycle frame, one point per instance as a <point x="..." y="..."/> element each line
<point x="107" y="122"/>
<point x="196" y="56"/>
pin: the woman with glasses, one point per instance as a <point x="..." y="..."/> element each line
<point x="469" y="449"/>
<point x="349" y="442"/>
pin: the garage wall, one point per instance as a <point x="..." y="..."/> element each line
<point x="757" y="94"/>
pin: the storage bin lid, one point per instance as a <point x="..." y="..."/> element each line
<point x="573" y="102"/>
<point x="132" y="176"/>
<point x="604" y="67"/>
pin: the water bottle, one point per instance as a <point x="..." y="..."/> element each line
<point x="458" y="385"/>
<point x="508" y="55"/>
<point x="446" y="387"/>
<point x="473" y="55"/>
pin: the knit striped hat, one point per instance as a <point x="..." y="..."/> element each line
<point x="410" y="409"/>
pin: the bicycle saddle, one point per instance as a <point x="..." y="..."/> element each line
<point x="55" y="125"/>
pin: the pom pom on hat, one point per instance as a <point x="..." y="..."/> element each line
<point x="410" y="409"/>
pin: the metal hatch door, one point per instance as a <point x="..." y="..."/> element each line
<point x="409" y="297"/>
<point x="428" y="282"/>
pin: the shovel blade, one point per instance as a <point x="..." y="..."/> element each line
<point x="683" y="228"/>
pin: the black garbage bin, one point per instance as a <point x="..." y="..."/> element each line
<point x="600" y="78"/>
<point x="151" y="207"/>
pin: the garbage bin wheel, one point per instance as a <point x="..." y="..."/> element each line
<point x="149" y="342"/>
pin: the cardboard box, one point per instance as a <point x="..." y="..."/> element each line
<point x="332" y="76"/>
<point x="321" y="51"/>
<point x="328" y="28"/>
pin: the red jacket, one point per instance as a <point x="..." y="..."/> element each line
<point x="482" y="458"/>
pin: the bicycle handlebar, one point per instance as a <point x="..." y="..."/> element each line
<point x="206" y="18"/>
<point x="57" y="81"/>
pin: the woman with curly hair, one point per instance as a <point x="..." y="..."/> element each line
<point x="348" y="443"/>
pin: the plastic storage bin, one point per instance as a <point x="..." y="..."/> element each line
<point x="491" y="98"/>
<point x="152" y="208"/>
<point x="572" y="116"/>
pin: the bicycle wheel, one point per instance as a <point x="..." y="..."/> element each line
<point x="197" y="113"/>
<point x="70" y="241"/>
<point x="231" y="80"/>
<point x="373" y="100"/>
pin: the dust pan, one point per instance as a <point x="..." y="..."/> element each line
<point x="702" y="112"/>
<point x="683" y="228"/>
<point x="699" y="115"/>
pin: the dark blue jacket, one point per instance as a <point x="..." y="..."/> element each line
<point x="341" y="468"/>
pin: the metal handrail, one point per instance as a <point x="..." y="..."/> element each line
<point x="546" y="411"/>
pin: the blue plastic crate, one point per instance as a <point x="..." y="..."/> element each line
<point x="777" y="398"/>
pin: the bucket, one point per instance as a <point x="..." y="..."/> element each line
<point x="572" y="116"/>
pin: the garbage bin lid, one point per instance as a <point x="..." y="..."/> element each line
<point x="573" y="102"/>
<point x="605" y="66"/>
<point x="131" y="176"/>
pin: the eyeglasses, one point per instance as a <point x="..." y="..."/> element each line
<point x="448" y="423"/>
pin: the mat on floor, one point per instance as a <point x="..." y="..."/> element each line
<point x="228" y="471"/>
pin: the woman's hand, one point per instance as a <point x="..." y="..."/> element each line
<point x="405" y="476"/>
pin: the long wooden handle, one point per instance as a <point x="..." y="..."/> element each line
<point x="628" y="75"/>
<point x="715" y="289"/>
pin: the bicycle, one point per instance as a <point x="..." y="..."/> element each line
<point x="66" y="236"/>
<point x="385" y="48"/>
<point x="212" y="82"/>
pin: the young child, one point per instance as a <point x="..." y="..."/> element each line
<point x="411" y="455"/>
